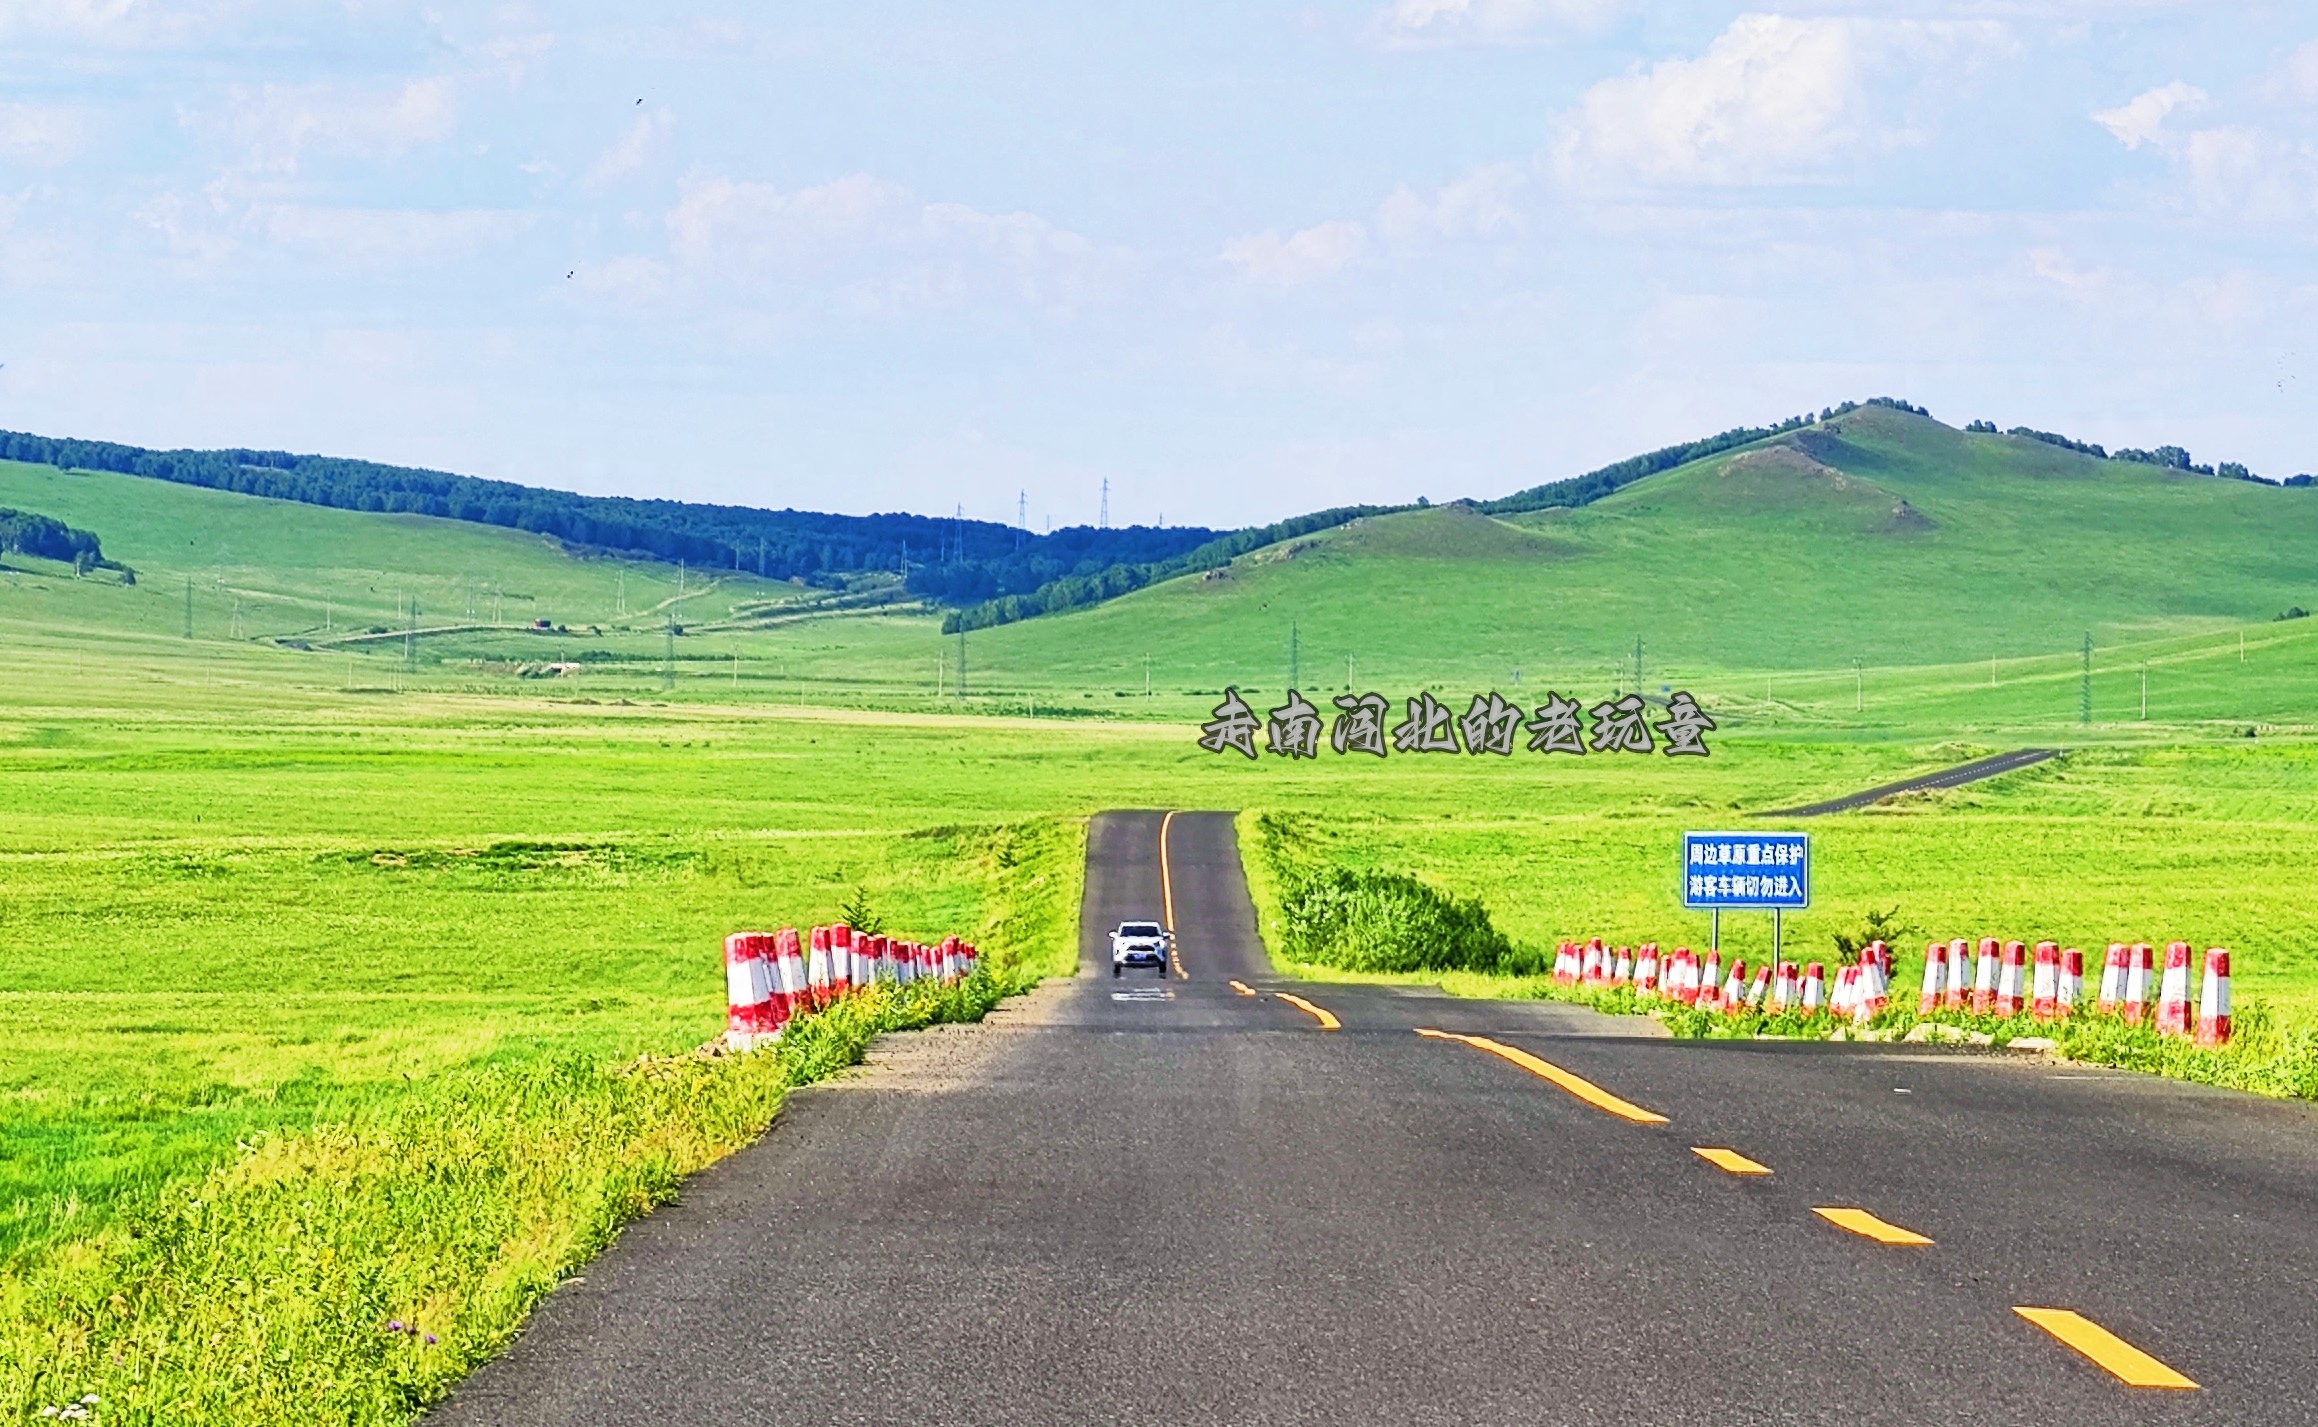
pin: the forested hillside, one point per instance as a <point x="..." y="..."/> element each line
<point x="954" y="560"/>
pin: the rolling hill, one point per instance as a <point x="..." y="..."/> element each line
<point x="1879" y="535"/>
<point x="1962" y="570"/>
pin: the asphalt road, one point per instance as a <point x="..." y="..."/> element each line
<point x="1165" y="1201"/>
<point x="1995" y="765"/>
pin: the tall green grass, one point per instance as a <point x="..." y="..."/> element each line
<point x="352" y="1272"/>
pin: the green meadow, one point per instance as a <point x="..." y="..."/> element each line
<point x="284" y="889"/>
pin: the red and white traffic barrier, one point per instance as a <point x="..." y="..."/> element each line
<point x="2112" y="979"/>
<point x="1623" y="973"/>
<point x="2072" y="980"/>
<point x="1874" y="990"/>
<point x="2044" y="992"/>
<point x="2213" y="1000"/>
<point x="1759" y="994"/>
<point x="1984" y="976"/>
<point x="1590" y="969"/>
<point x="844" y="963"/>
<point x="1786" y="988"/>
<point x="1646" y="970"/>
<point x="1563" y="973"/>
<point x="1734" y="991"/>
<point x="1959" y="974"/>
<point x="2011" y="980"/>
<point x="2140" y="979"/>
<point x="1709" y="996"/>
<point x="789" y="973"/>
<point x="1685" y="976"/>
<point x="747" y="989"/>
<point x="2173" y="992"/>
<point x="1844" y="992"/>
<point x="1935" y="978"/>
<point x="1814" y="989"/>
<point x="817" y="967"/>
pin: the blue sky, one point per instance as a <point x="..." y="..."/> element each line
<point x="1242" y="260"/>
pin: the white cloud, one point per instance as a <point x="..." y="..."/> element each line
<point x="40" y="134"/>
<point x="1482" y="202"/>
<point x="2301" y="74"/>
<point x="1772" y="99"/>
<point x="104" y="22"/>
<point x="1424" y="23"/>
<point x="2142" y="119"/>
<point x="374" y="236"/>
<point x="2242" y="173"/>
<point x="879" y="246"/>
<point x="645" y="138"/>
<point x="281" y="122"/>
<point x="1307" y="255"/>
<point x="2251" y="175"/>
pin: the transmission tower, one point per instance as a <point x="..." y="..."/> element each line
<point x="1103" y="521"/>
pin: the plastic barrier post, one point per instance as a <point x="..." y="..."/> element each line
<point x="2213" y="1000"/>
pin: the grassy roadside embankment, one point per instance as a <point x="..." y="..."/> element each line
<point x="2274" y="1050"/>
<point x="328" y="1017"/>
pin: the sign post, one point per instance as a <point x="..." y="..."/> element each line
<point x="1747" y="872"/>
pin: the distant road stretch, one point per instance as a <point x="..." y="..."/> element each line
<point x="1955" y="777"/>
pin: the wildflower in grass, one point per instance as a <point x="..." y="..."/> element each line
<point x="430" y="1340"/>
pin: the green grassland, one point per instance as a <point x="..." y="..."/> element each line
<point x="252" y="893"/>
<point x="1881" y="536"/>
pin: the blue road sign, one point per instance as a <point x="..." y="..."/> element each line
<point x="1746" y="871"/>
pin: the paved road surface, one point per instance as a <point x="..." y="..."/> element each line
<point x="1956" y="777"/>
<point x="1196" y="1206"/>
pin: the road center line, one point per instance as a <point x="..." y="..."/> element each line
<point x="1730" y="1161"/>
<point x="1582" y="1088"/>
<point x="1166" y="879"/>
<point x="1867" y="1226"/>
<point x="1243" y="988"/>
<point x="2111" y="1353"/>
<point x="1327" y="1021"/>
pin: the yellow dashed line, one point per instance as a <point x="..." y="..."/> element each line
<point x="1867" y="1226"/>
<point x="1584" y="1089"/>
<point x="1327" y="1021"/>
<point x="1730" y="1161"/>
<point x="1243" y="988"/>
<point x="2120" y="1359"/>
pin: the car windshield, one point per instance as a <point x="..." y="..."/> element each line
<point x="1138" y="929"/>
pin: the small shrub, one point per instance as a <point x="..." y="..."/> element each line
<point x="1388" y="921"/>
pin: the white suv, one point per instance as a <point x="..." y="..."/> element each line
<point x="1139" y="944"/>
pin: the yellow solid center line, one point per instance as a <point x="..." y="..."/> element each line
<point x="2115" y="1356"/>
<point x="1243" y="988"/>
<point x="1166" y="879"/>
<point x="1867" y="1226"/>
<point x="1327" y="1022"/>
<point x="1730" y="1161"/>
<point x="1584" y="1089"/>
